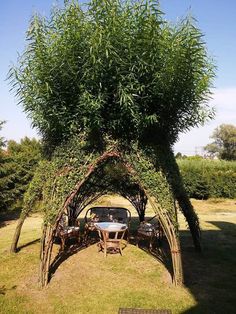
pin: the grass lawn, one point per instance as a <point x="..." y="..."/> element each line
<point x="86" y="282"/>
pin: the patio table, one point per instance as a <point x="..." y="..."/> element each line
<point x="111" y="235"/>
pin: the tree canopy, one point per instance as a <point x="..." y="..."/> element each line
<point x="113" y="68"/>
<point x="17" y="165"/>
<point x="224" y="144"/>
<point x="2" y="141"/>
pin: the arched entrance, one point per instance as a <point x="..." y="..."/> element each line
<point x="111" y="172"/>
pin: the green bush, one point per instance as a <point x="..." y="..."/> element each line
<point x="17" y="166"/>
<point x="205" y="178"/>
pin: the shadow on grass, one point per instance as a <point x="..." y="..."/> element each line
<point x="211" y="275"/>
<point x="160" y="250"/>
<point x="6" y="217"/>
<point x="72" y="247"/>
<point x="3" y="289"/>
<point x="160" y="253"/>
<point x="63" y="256"/>
<point x="28" y="244"/>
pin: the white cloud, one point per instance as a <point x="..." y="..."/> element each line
<point x="224" y="101"/>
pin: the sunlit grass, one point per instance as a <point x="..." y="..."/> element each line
<point x="87" y="282"/>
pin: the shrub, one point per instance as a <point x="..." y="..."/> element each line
<point x="208" y="178"/>
<point x="17" y="165"/>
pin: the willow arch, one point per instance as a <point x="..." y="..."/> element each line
<point x="73" y="175"/>
<point x="164" y="216"/>
<point x="110" y="175"/>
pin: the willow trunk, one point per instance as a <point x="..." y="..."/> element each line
<point x="17" y="232"/>
<point x="167" y="163"/>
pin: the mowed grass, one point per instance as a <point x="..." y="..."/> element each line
<point x="86" y="282"/>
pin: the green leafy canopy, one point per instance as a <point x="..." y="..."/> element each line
<point x="224" y="144"/>
<point x="113" y="68"/>
<point x="17" y="166"/>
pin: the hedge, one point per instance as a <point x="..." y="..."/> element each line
<point x="204" y="178"/>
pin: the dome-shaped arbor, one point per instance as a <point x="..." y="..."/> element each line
<point x="76" y="176"/>
<point x="110" y="176"/>
<point x="116" y="70"/>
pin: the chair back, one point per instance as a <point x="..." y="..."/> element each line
<point x="108" y="214"/>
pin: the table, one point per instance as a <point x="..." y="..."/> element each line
<point x="111" y="235"/>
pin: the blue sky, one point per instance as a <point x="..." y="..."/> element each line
<point x="216" y="19"/>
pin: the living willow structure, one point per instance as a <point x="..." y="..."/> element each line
<point x="110" y="86"/>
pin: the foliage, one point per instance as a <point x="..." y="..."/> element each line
<point x="55" y="179"/>
<point x="195" y="183"/>
<point x="115" y="68"/>
<point x="5" y="181"/>
<point x="209" y="178"/>
<point x="33" y="194"/>
<point x="17" y="170"/>
<point x="224" y="144"/>
<point x="2" y="141"/>
<point x="179" y="155"/>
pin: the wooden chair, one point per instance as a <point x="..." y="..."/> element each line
<point x="150" y="232"/>
<point x="65" y="232"/>
<point x="119" y="214"/>
<point x="111" y="241"/>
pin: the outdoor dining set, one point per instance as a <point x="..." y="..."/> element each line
<point x="111" y="225"/>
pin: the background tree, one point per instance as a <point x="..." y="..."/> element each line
<point x="224" y="144"/>
<point x="4" y="173"/>
<point x="24" y="159"/>
<point x="18" y="164"/>
<point x="2" y="141"/>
